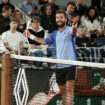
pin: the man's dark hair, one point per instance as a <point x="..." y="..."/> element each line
<point x="61" y="12"/>
<point x="6" y="8"/>
<point x="36" y="18"/>
<point x="71" y="3"/>
<point x="13" y="19"/>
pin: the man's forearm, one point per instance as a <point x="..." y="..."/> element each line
<point x="74" y="25"/>
<point x="74" y="29"/>
<point x="37" y="39"/>
<point x="40" y="40"/>
<point x="9" y="49"/>
<point x="12" y="50"/>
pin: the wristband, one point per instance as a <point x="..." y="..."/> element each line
<point x="74" y="26"/>
<point x="32" y="37"/>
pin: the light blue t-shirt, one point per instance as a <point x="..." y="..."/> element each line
<point x="65" y="45"/>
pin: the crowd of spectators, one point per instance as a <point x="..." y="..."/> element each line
<point x="91" y="26"/>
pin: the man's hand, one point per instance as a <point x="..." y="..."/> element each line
<point x="29" y="35"/>
<point x="74" y="25"/>
<point x="75" y="20"/>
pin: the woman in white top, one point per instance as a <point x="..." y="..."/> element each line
<point x="91" y="21"/>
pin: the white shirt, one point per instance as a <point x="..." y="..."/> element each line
<point x="13" y="39"/>
<point x="90" y="26"/>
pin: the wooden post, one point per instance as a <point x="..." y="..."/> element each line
<point x="7" y="80"/>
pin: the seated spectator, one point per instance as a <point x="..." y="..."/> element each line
<point x="82" y="40"/>
<point x="54" y="7"/>
<point x="81" y="8"/>
<point x="6" y="3"/>
<point x="28" y="7"/>
<point x="21" y="22"/>
<point x="70" y="11"/>
<point x="91" y="21"/>
<point x="48" y="22"/>
<point x="86" y="52"/>
<point x="13" y="40"/>
<point x="38" y="31"/>
<point x="5" y="19"/>
<point x="48" y="19"/>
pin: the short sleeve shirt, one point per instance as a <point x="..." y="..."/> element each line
<point x="64" y="43"/>
<point x="13" y="39"/>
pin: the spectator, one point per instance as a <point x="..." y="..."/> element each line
<point x="54" y="7"/>
<point x="48" y="19"/>
<point x="28" y="7"/>
<point x="21" y="22"/>
<point x="81" y="7"/>
<point x="85" y="51"/>
<point x="70" y="11"/>
<point x="5" y="19"/>
<point x="91" y="21"/>
<point x="13" y="40"/>
<point x="38" y="31"/>
<point x="82" y="40"/>
<point x="49" y="23"/>
<point x="6" y="3"/>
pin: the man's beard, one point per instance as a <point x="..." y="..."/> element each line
<point x="61" y="25"/>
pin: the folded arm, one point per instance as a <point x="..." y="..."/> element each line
<point x="10" y="49"/>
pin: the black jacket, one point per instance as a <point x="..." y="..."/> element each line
<point x="4" y="24"/>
